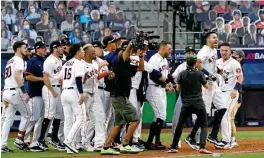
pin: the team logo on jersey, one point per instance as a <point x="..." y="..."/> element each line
<point x="58" y="69"/>
<point x="212" y="59"/>
<point x="163" y="67"/>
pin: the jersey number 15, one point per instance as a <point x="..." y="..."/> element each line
<point x="67" y="75"/>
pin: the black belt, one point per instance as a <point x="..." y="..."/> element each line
<point x="11" y="89"/>
<point x="69" y="88"/>
<point x="101" y="88"/>
<point x="55" y="85"/>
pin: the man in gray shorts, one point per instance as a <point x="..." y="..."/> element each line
<point x="128" y="63"/>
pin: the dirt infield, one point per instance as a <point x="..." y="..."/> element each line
<point x="245" y="146"/>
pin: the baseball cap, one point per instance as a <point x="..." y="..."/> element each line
<point x="109" y="39"/>
<point x="124" y="45"/>
<point x="189" y="48"/>
<point x="39" y="45"/>
<point x="236" y="12"/>
<point x="97" y="44"/>
<point x="240" y="53"/>
<point x="66" y="42"/>
<point x="55" y="44"/>
<point x="191" y="59"/>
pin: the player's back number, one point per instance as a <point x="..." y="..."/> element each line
<point x="67" y="74"/>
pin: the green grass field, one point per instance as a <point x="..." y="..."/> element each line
<point x="242" y="135"/>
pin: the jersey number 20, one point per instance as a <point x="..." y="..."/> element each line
<point x="67" y="75"/>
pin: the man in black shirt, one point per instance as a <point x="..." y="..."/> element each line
<point x="127" y="65"/>
<point x="189" y="83"/>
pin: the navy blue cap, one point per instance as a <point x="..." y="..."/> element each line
<point x="109" y="39"/>
<point x="124" y="45"/>
<point x="66" y="42"/>
<point x="39" y="45"/>
<point x="255" y="4"/>
<point x="97" y="44"/>
<point x="55" y="44"/>
<point x="189" y="48"/>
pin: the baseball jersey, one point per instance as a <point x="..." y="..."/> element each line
<point x="230" y="70"/>
<point x="14" y="64"/>
<point x="70" y="70"/>
<point x="159" y="63"/>
<point x="180" y="68"/>
<point x="136" y="79"/>
<point x="208" y="57"/>
<point x="103" y="69"/>
<point x="52" y="66"/>
<point x="148" y="67"/>
<point x="90" y="80"/>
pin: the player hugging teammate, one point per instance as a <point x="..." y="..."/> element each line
<point x="86" y="97"/>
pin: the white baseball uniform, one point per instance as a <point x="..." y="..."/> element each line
<point x="13" y="95"/>
<point x="214" y="94"/>
<point x="53" y="108"/>
<point x="94" y="107"/>
<point x="105" y="98"/>
<point x="156" y="95"/>
<point x="74" y="113"/>
<point x="230" y="70"/>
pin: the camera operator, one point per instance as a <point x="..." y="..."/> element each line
<point x="126" y="66"/>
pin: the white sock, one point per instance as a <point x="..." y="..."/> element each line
<point x="233" y="139"/>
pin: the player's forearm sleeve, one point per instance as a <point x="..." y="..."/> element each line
<point x="205" y="71"/>
<point x="155" y="75"/>
<point x="79" y="84"/>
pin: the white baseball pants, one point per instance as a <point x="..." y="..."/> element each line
<point x="226" y="121"/>
<point x="95" y="120"/>
<point x="139" y="108"/>
<point x="16" y="102"/>
<point x="74" y="114"/>
<point x="157" y="98"/>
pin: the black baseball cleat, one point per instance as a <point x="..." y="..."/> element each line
<point x="61" y="147"/>
<point x="159" y="146"/>
<point x="212" y="140"/>
<point x="36" y="149"/>
<point x="42" y="144"/>
<point x="5" y="149"/>
<point x="53" y="143"/>
<point x="150" y="146"/>
<point x="192" y="143"/>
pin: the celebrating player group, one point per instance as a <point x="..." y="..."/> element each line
<point x="90" y="96"/>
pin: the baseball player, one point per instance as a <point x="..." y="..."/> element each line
<point x="34" y="76"/>
<point x="95" y="109"/>
<point x="156" y="95"/>
<point x="15" y="97"/>
<point x="72" y="97"/>
<point x="189" y="83"/>
<point x="51" y="95"/>
<point x="238" y="54"/>
<point x="177" y="110"/>
<point x="230" y="82"/>
<point x="206" y="62"/>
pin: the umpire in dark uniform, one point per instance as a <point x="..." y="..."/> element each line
<point x="34" y="76"/>
<point x="190" y="82"/>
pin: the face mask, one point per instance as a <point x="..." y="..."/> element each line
<point x="26" y="27"/>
